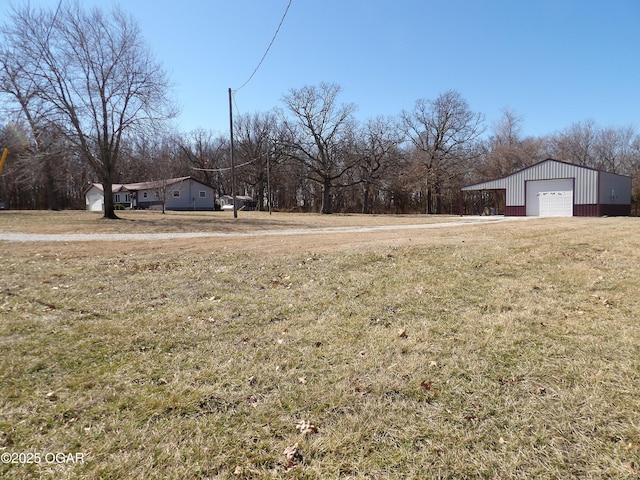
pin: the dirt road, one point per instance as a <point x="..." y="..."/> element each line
<point x="275" y="241"/>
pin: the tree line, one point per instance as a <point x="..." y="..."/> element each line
<point x="86" y="101"/>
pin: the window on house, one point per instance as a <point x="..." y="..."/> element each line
<point x="127" y="198"/>
<point x="203" y="194"/>
<point x="117" y="198"/>
<point x="176" y="193"/>
<point x="144" y="195"/>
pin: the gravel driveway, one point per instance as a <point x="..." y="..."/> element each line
<point x="83" y="237"/>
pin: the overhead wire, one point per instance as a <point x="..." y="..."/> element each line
<point x="268" y="48"/>
<point x="41" y="54"/>
<point x="222" y="169"/>
<point x="47" y="36"/>
<point x="55" y="17"/>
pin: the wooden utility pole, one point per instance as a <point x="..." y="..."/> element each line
<point x="233" y="162"/>
<point x="4" y="158"/>
<point x="269" y="180"/>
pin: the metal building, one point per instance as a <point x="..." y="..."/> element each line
<point x="554" y="188"/>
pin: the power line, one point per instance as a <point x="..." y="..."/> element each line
<point x="46" y="39"/>
<point x="268" y="48"/>
<point x="235" y="102"/>
<point x="225" y="169"/>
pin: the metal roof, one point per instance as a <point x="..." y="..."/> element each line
<point x="586" y="187"/>
<point x="546" y="169"/>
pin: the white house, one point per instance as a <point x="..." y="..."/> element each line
<point x="183" y="193"/>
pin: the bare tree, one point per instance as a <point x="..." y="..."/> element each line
<point x="507" y="150"/>
<point x="207" y="155"/>
<point x="160" y="156"/>
<point x="318" y="132"/>
<point x="588" y="144"/>
<point x="377" y="151"/>
<point x="43" y="147"/>
<point x="257" y="137"/>
<point x="91" y="75"/>
<point x="443" y="132"/>
<point x="576" y="144"/>
<point x="614" y="149"/>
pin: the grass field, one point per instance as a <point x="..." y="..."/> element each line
<point x="149" y="221"/>
<point x="502" y="350"/>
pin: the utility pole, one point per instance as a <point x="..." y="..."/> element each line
<point x="269" y="180"/>
<point x="233" y="162"/>
<point x="4" y="158"/>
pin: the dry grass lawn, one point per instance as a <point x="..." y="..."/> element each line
<point x="149" y="221"/>
<point x="502" y="350"/>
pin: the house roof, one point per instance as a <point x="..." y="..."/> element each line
<point x="134" y="187"/>
<point x="154" y="184"/>
<point x="238" y="197"/>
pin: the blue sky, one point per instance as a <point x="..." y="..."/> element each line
<point x="554" y="62"/>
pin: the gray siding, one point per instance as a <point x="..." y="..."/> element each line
<point x="189" y="198"/>
<point x="585" y="186"/>
<point x="499" y="184"/>
<point x="615" y="189"/>
<point x="586" y="181"/>
<point x="594" y="192"/>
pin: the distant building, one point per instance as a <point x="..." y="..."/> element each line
<point x="183" y="193"/>
<point x="243" y="202"/>
<point x="552" y="188"/>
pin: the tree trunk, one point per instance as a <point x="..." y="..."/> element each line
<point x="366" y="208"/>
<point x="260" y="188"/>
<point x="109" y="211"/>
<point x="326" y="196"/>
<point x="438" y="199"/>
<point x="51" y="186"/>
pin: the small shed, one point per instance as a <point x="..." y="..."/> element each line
<point x="553" y="188"/>
<point x="243" y="202"/>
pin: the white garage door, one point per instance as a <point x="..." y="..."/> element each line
<point x="550" y="198"/>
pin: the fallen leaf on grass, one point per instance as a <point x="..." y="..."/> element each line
<point x="291" y="452"/>
<point x="471" y="418"/>
<point x="604" y="301"/>
<point x="293" y="457"/>
<point x="402" y="333"/>
<point x="361" y="391"/>
<point x="306" y="428"/>
<point x="428" y="386"/>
